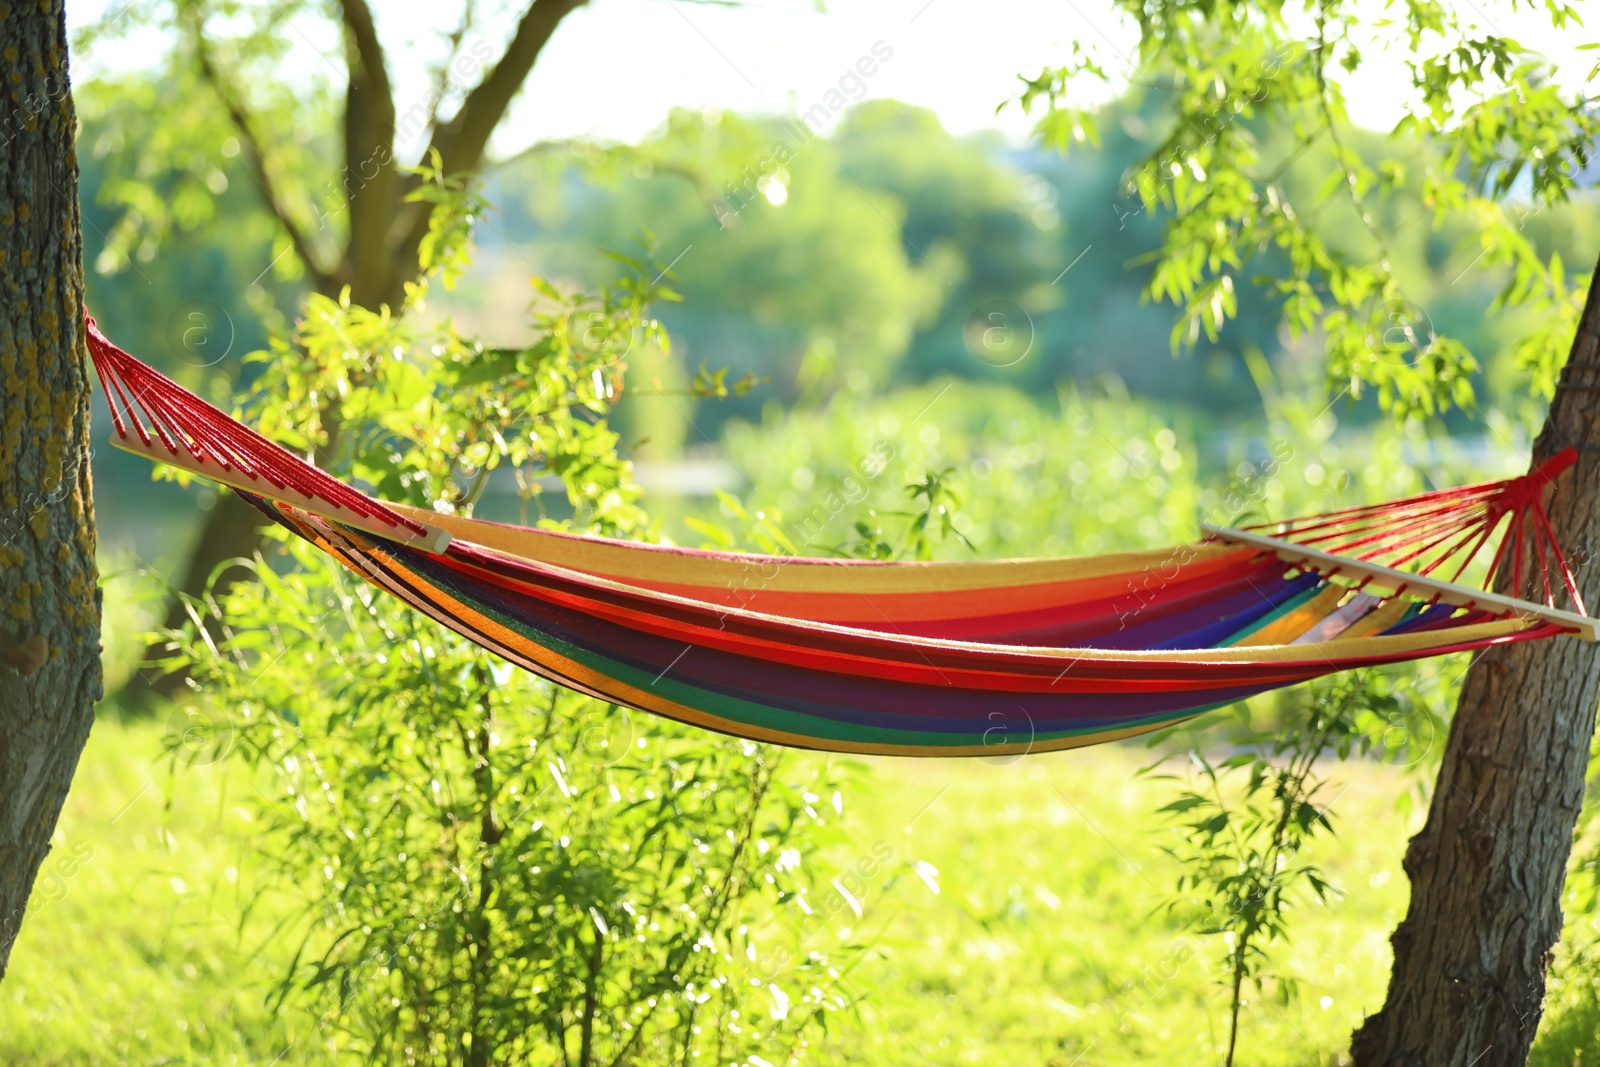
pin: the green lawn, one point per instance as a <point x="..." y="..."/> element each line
<point x="128" y="954"/>
<point x="1045" y="944"/>
<point x="1042" y="945"/>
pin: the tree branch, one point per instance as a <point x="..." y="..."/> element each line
<point x="358" y="22"/>
<point x="441" y="84"/>
<point x="461" y="141"/>
<point x="371" y="182"/>
<point x="321" y="277"/>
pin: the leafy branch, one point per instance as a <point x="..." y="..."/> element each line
<point x="934" y="521"/>
<point x="1489" y="113"/>
<point x="1242" y="847"/>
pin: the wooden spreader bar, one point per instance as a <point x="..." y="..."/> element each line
<point x="1327" y="564"/>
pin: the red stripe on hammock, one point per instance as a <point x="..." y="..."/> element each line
<point x="871" y="654"/>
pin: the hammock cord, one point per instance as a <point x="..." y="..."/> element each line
<point x="183" y="421"/>
<point x="1450" y="526"/>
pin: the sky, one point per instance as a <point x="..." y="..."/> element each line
<point x="616" y="67"/>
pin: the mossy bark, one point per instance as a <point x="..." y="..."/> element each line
<point x="1488" y="866"/>
<point x="49" y="589"/>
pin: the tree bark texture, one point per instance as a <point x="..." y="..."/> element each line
<point x="1488" y="866"/>
<point x="49" y="591"/>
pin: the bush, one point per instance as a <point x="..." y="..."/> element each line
<point x="485" y="868"/>
<point x="480" y="867"/>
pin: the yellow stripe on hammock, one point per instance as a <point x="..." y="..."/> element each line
<point x="625" y="561"/>
<point x="1283" y="631"/>
<point x="1378" y="620"/>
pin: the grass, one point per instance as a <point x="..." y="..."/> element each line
<point x="1046" y="943"/>
<point x="130" y="952"/>
<point x="1043" y="944"/>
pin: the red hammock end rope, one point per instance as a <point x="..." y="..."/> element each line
<point x="173" y="425"/>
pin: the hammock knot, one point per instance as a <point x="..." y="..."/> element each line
<point x="1524" y="492"/>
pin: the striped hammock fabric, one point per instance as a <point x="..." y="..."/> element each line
<point x="981" y="658"/>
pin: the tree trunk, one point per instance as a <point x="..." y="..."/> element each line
<point x="49" y="589"/>
<point x="1488" y="866"/>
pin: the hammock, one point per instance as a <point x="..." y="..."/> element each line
<point x="978" y="658"/>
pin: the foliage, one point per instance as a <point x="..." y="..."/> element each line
<point x="446" y="248"/>
<point x="1083" y="470"/>
<point x="1066" y="243"/>
<point x="1570" y="1030"/>
<point x="426" y="416"/>
<point x="173" y="178"/>
<point x="480" y="867"/>
<point x="1488" y="110"/>
<point x="1040" y="943"/>
<point x="155" y="265"/>
<point x="508" y="869"/>
<point x="1572" y="1003"/>
<point x="1125" y="480"/>
<point x="1243" y="849"/>
<point x="933" y="523"/>
<point x="988" y="223"/>
<point x="774" y="241"/>
<point x="821" y="280"/>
